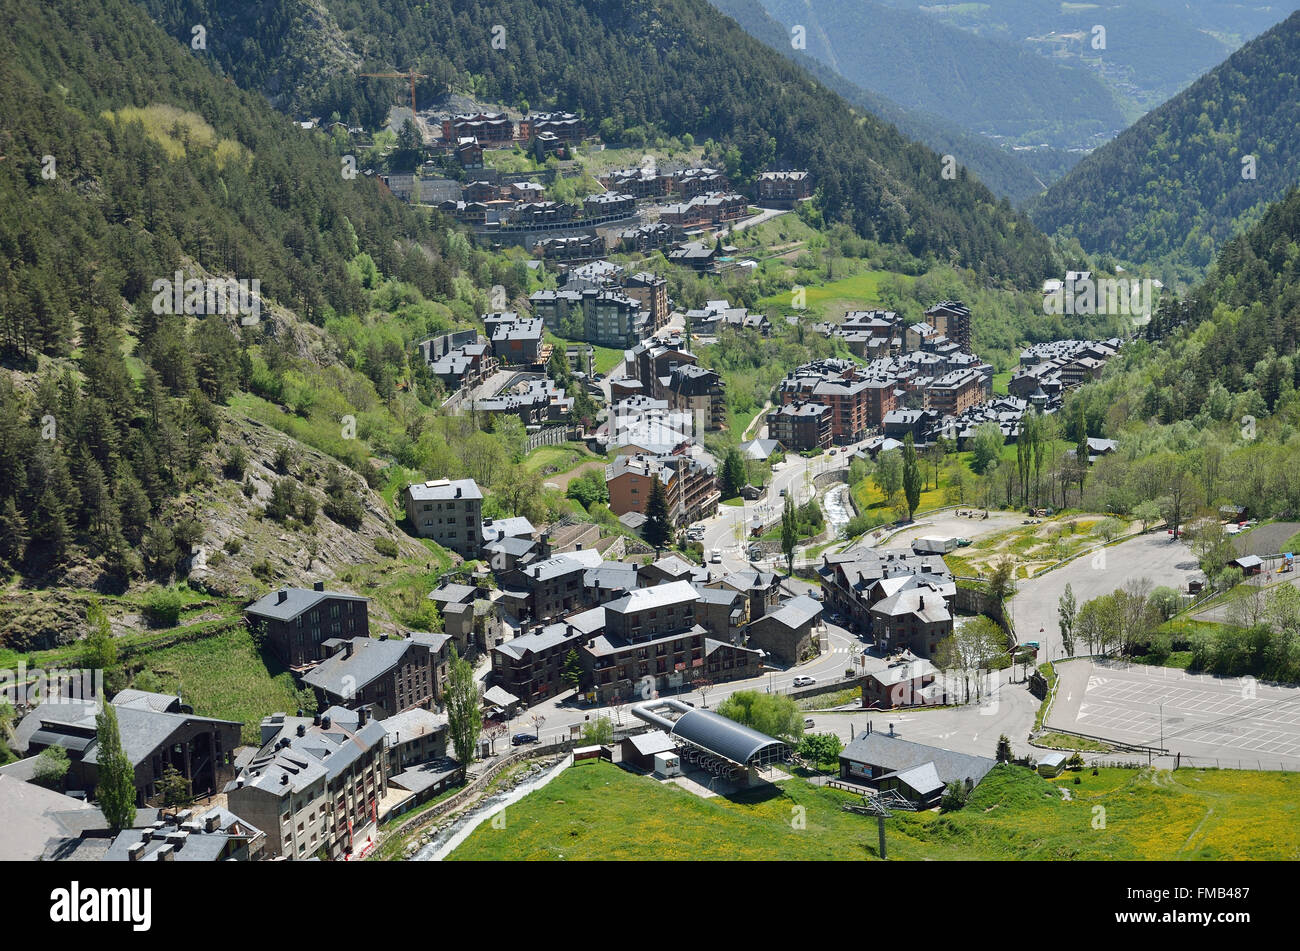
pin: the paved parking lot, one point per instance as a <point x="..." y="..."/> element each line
<point x="1227" y="721"/>
<point x="1034" y="609"/>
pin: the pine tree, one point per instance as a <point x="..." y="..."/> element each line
<point x="50" y="532"/>
<point x="572" y="673"/>
<point x="115" y="793"/>
<point x="658" y="528"/>
<point x="733" y="474"/>
<point x="13" y="533"/>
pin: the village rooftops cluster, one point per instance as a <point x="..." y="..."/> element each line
<point x="1048" y="370"/>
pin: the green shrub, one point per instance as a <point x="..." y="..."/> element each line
<point x="162" y="607"/>
<point x="955" y="795"/>
<point x="386" y="547"/>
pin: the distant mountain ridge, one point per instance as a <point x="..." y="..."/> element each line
<point x="989" y="85"/>
<point x="1017" y="176"/>
<point x="1189" y="175"/>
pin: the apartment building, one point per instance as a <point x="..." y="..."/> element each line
<point x="388" y="674"/>
<point x="801" y="426"/>
<point x="954" y="393"/>
<point x="690" y="486"/>
<point x="295" y="622"/>
<point x="315" y="784"/>
<point x="652" y="292"/>
<point x="782" y="189"/>
<point x="448" y="512"/>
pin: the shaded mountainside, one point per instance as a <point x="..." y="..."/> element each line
<point x="1240" y="328"/>
<point x="1017" y="176"/>
<point x="1173" y="187"/>
<point x="1154" y="48"/>
<point x="672" y="67"/>
<point x="988" y="85"/>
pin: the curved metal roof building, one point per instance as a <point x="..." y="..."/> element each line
<point x="714" y="733"/>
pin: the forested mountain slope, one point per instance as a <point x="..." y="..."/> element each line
<point x="675" y="66"/>
<point x="1210" y="405"/>
<point x="122" y="160"/>
<point x="1190" y="174"/>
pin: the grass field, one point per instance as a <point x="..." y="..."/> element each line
<point x="834" y="299"/>
<point x="597" y="811"/>
<point x="603" y="359"/>
<point x="553" y="460"/>
<point x="227" y="678"/>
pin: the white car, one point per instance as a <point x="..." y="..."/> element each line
<point x="804" y="681"/>
<point x="715" y="557"/>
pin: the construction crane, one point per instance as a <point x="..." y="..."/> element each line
<point x="412" y="75"/>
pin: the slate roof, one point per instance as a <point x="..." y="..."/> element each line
<point x="758" y="448"/>
<point x="564" y="564"/>
<point x="31" y="816"/>
<point x="896" y="675"/>
<point x="144" y="700"/>
<point x="661" y="595"/>
<point x="320" y="753"/>
<point x="499" y="696"/>
<point x="514" y="546"/>
<point x="343" y="676"/>
<point x="412" y="723"/>
<point x="796" y="613"/>
<point x="416" y="779"/>
<point x="587" y="622"/>
<point x="72" y="726"/>
<point x="611" y="576"/>
<point x="924" y="779"/>
<point x="549" y="636"/>
<point x="194" y="846"/>
<point x="297" y="600"/>
<point x="445" y="490"/>
<point x="652" y="742"/>
<point x="673" y="566"/>
<point x="895" y="754"/>
<point x="453" y="594"/>
<point x="513" y="527"/>
<point x="925" y="601"/>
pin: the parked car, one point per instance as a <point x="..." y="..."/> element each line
<point x="804" y="681"/>
<point x="521" y="739"/>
